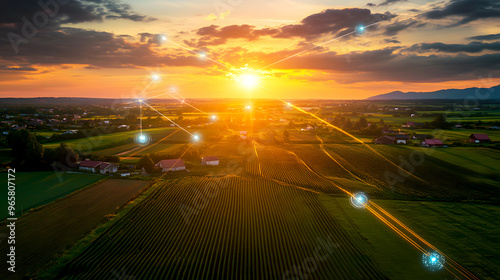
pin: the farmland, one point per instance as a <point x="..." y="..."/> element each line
<point x="35" y="189"/>
<point x="239" y="235"/>
<point x="48" y="231"/>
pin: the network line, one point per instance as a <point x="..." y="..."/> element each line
<point x="169" y="119"/>
<point x="316" y="46"/>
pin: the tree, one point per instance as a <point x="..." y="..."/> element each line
<point x="147" y="163"/>
<point x="361" y="123"/>
<point x="26" y="150"/>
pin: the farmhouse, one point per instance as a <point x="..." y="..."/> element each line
<point x="171" y="165"/>
<point x="89" y="165"/>
<point x="432" y="143"/>
<point x="386" y="140"/>
<point x="210" y="160"/>
<point x="97" y="166"/>
<point x="402" y="139"/>
<point x="106" y="167"/>
<point x="479" y="138"/>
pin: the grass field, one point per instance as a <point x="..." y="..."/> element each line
<point x="107" y="141"/>
<point x="468" y="233"/>
<point x="48" y="231"/>
<point x="34" y="189"/>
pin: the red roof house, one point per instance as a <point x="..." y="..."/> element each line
<point x="171" y="165"/>
<point x="479" y="138"/>
<point x="433" y="143"/>
<point x="210" y="160"/>
<point x="386" y="140"/>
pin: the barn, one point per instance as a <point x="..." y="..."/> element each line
<point x="386" y="140"/>
<point x="432" y="143"/>
<point x="210" y="160"/>
<point x="479" y="138"/>
<point x="171" y="165"/>
<point x="106" y="167"/>
<point x="97" y="166"/>
<point x="89" y="165"/>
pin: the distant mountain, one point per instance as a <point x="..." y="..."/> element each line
<point x="479" y="93"/>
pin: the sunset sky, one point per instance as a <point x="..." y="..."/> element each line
<point x="111" y="49"/>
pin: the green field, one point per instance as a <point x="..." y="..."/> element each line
<point x="34" y="189"/>
<point x="107" y="141"/>
<point x="464" y="232"/>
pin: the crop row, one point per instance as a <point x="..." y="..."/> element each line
<point x="242" y="229"/>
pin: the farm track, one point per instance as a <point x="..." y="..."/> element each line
<point x="251" y="229"/>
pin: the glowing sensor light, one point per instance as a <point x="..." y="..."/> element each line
<point x="196" y="137"/>
<point x="213" y="117"/>
<point x="433" y="261"/>
<point x="360" y="30"/>
<point x="155" y="77"/>
<point x="359" y="200"/>
<point x="142" y="139"/>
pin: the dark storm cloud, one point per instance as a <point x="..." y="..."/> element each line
<point x="327" y="22"/>
<point x="473" y="47"/>
<point x="488" y="37"/>
<point x="466" y="10"/>
<point x="68" y="11"/>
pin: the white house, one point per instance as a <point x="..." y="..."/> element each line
<point x="106" y="167"/>
<point x="171" y="165"/>
<point x="97" y="166"/>
<point x="210" y="160"/>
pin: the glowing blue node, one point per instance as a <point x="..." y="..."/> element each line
<point x="213" y="117"/>
<point x="155" y="77"/>
<point x="196" y="137"/>
<point x="142" y="139"/>
<point x="433" y="261"/>
<point x="360" y="30"/>
<point x="359" y="200"/>
<point x="202" y="55"/>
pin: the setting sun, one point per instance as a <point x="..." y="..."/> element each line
<point x="249" y="81"/>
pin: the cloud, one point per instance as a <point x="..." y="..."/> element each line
<point x="473" y="47"/>
<point x="398" y="26"/>
<point x="390" y="2"/>
<point x="488" y="37"/>
<point x="213" y="17"/>
<point x="389" y="65"/>
<point x="75" y="11"/>
<point x="328" y="22"/>
<point x="466" y="10"/>
<point x="394" y="41"/>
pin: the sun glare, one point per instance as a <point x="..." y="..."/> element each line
<point x="249" y="80"/>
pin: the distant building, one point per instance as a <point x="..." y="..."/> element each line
<point x="171" y="165"/>
<point x="106" y="167"/>
<point x="89" y="165"/>
<point x="432" y="143"/>
<point x="210" y="160"/>
<point x="402" y="139"/>
<point x="385" y="140"/>
<point x="97" y="166"/>
<point x="479" y="138"/>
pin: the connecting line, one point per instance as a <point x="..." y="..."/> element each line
<point x="352" y="136"/>
<point x="189" y="147"/>
<point x="147" y="86"/>
<point x="169" y="119"/>
<point x="182" y="101"/>
<point x="189" y="50"/>
<point x="458" y="267"/>
<point x="316" y="46"/>
<point x="140" y="115"/>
